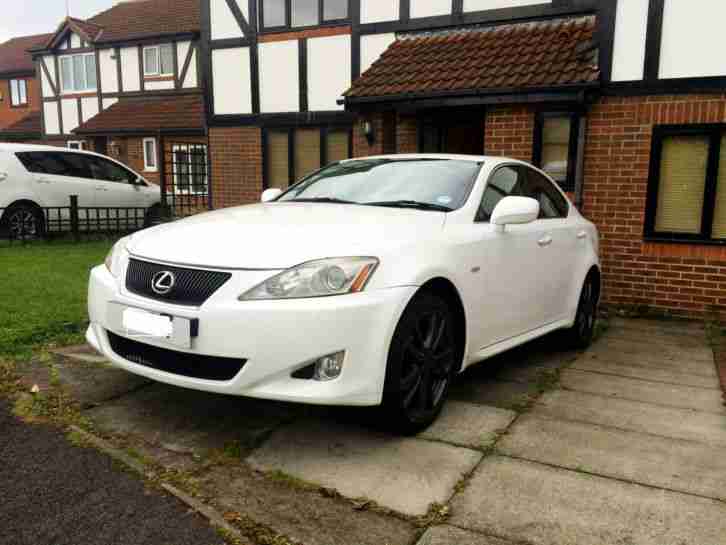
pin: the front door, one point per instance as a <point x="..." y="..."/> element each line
<point x="452" y="131"/>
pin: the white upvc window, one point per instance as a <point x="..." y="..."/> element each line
<point x="78" y="73"/>
<point x="18" y="92"/>
<point x="150" y="159"/>
<point x="159" y="60"/>
<point x="189" y="169"/>
<point x="76" y="144"/>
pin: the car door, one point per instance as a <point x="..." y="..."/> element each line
<point x="558" y="243"/>
<point x="120" y="195"/>
<point x="510" y="296"/>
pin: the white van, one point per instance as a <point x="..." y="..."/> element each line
<point x="36" y="183"/>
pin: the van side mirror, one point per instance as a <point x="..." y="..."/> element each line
<point x="515" y="211"/>
<point x="270" y="194"/>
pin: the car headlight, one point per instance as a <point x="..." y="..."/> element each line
<point x="319" y="278"/>
<point x="113" y="259"/>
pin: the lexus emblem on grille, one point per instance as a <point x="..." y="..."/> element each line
<point x="163" y="282"/>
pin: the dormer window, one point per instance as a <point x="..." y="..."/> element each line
<point x="78" y="73"/>
<point x="286" y="14"/>
<point x="159" y="60"/>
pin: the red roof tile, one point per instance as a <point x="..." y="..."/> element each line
<point x="542" y="54"/>
<point x="14" y="56"/>
<point x="130" y="20"/>
<point x="148" y="114"/>
<point x="30" y="124"/>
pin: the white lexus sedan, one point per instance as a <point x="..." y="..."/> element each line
<point x="371" y="282"/>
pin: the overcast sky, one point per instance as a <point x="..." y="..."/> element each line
<point x="25" y="17"/>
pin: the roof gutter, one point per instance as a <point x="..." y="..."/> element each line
<point x="183" y="131"/>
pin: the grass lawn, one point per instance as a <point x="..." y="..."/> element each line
<point x="43" y="294"/>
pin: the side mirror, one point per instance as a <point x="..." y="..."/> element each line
<point x="514" y="211"/>
<point x="270" y="194"/>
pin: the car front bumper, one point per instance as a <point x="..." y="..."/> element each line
<point x="276" y="338"/>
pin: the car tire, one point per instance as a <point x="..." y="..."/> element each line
<point x="421" y="363"/>
<point x="24" y="221"/>
<point x="581" y="334"/>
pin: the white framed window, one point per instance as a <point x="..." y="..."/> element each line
<point x="18" y="92"/>
<point x="76" y="144"/>
<point x="189" y="169"/>
<point x="159" y="60"/>
<point x="150" y="160"/>
<point x="78" y="73"/>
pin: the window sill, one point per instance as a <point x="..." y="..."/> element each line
<point x="78" y="94"/>
<point x="152" y="170"/>
<point x="688" y="249"/>
<point x="164" y="77"/>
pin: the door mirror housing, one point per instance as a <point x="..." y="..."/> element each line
<point x="515" y="211"/>
<point x="270" y="194"/>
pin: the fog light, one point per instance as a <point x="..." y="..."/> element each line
<point x="329" y="367"/>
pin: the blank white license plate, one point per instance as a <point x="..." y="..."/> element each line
<point x="142" y="324"/>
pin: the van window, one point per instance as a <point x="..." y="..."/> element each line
<point x="55" y="163"/>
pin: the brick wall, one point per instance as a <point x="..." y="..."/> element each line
<point x="10" y="114"/>
<point x="406" y="134"/>
<point x="236" y="165"/>
<point x="361" y="146"/>
<point x="509" y="132"/>
<point x="681" y="279"/>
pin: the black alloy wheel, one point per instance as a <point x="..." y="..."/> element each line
<point x="422" y="360"/>
<point x="24" y="222"/>
<point x="582" y="332"/>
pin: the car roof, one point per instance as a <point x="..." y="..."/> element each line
<point x="30" y="147"/>
<point x="490" y="160"/>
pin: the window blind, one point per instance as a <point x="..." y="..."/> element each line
<point x="278" y="172"/>
<point x="719" y="215"/>
<point x="307" y="152"/>
<point x="337" y="147"/>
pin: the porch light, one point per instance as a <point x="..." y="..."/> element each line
<point x="367" y="131"/>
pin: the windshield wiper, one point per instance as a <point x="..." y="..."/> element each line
<point x="323" y="199"/>
<point x="412" y="204"/>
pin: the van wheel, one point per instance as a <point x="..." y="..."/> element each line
<point x="421" y="364"/>
<point x="24" y="221"/>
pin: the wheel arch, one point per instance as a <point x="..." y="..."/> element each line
<point x="445" y="288"/>
<point x="26" y="202"/>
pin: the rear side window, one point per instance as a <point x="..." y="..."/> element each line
<point x="505" y="182"/>
<point x="55" y="163"/>
<point x="551" y="202"/>
<point x="108" y="171"/>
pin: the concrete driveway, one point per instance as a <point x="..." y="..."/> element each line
<point x="623" y="444"/>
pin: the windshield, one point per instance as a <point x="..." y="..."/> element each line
<point x="433" y="184"/>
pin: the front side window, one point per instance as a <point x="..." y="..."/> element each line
<point x="552" y="204"/>
<point x="435" y="184"/>
<point x="556" y="147"/>
<point x="18" y="92"/>
<point x="687" y="185"/>
<point x="108" y="171"/>
<point x="159" y="60"/>
<point x="303" y="13"/>
<point x="78" y="72"/>
<point x="291" y="154"/>
<point x="506" y="181"/>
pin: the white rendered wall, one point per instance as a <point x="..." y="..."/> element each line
<point x="69" y="109"/>
<point x="109" y="73"/>
<point x="279" y="77"/>
<point x="481" y="5"/>
<point x="50" y="65"/>
<point x="372" y="47"/>
<point x="631" y="23"/>
<point x="50" y="117"/>
<point x="694" y="39"/>
<point x="328" y="72"/>
<point x="130" y="69"/>
<point x="223" y="23"/>
<point x="75" y="41"/>
<point x="182" y="48"/>
<point x="378" y="11"/>
<point x="232" y="82"/>
<point x="430" y="8"/>
<point x="89" y="108"/>
<point x="158" y="85"/>
<point x="108" y="102"/>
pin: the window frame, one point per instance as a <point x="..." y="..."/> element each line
<point x="74" y="90"/>
<point x="149" y="167"/>
<point x="288" y="26"/>
<point x="522" y="179"/>
<point x="158" y="72"/>
<point x="22" y="98"/>
<point x="81" y="145"/>
<point x="538" y="144"/>
<point x="293" y="177"/>
<point x="564" y="201"/>
<point x="188" y="149"/>
<point x="715" y="132"/>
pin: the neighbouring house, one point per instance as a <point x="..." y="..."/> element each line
<point x="19" y="91"/>
<point x="623" y="102"/>
<point x="127" y="83"/>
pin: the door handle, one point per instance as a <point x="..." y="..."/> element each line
<point x="545" y="241"/>
<point x="43" y="180"/>
<point x="582" y="234"/>
<point x="101" y="188"/>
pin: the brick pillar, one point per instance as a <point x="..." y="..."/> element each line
<point x="407" y="134"/>
<point x="236" y="160"/>
<point x="509" y="132"/>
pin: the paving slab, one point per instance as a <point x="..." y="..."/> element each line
<point x="709" y="428"/>
<point x="469" y="425"/>
<point x="671" y="327"/>
<point x="450" y="535"/>
<point x="702" y="353"/>
<point x="700" y="368"/>
<point x="192" y="422"/>
<point x="687" y="397"/>
<point x="646" y="373"/>
<point x="676" y="338"/>
<point x="675" y="464"/>
<point x="542" y="505"/>
<point x="404" y="474"/>
<point x="305" y="516"/>
<point x="496" y="393"/>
